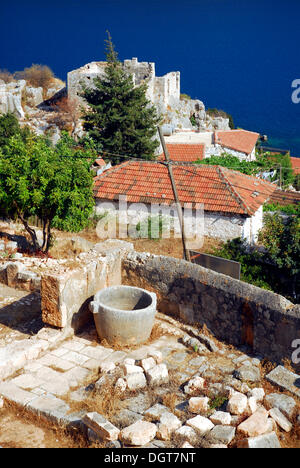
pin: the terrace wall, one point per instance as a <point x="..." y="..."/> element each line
<point x="233" y="311"/>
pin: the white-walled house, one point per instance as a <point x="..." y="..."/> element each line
<point x="219" y="202"/>
<point x="240" y="143"/>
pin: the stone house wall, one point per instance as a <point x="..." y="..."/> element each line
<point x="212" y="224"/>
<point x="218" y="150"/>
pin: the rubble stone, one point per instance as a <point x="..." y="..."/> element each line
<point x="199" y="405"/>
<point x="168" y="424"/>
<point x="221" y="434"/>
<point x="255" y="425"/>
<point x="155" y="412"/>
<point x="280" y="419"/>
<point x="186" y="434"/>
<point x="139" y="433"/>
<point x="157" y="375"/>
<point x="194" y="386"/>
<point x="263" y="441"/>
<point x="284" y="403"/>
<point x="136" y="381"/>
<point x="200" y="424"/>
<point x="221" y="418"/>
<point x="237" y="404"/>
<point x="101" y="426"/>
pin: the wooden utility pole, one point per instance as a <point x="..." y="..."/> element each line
<point x="168" y="163"/>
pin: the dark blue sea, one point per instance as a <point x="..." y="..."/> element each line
<point x="241" y="56"/>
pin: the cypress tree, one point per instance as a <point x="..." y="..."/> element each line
<point x="120" y="119"/>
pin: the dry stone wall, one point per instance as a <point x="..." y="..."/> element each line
<point x="233" y="311"/>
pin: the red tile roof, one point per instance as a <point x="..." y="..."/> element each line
<point x="100" y="162"/>
<point x="285" y="197"/>
<point x="296" y="165"/>
<point x="219" y="189"/>
<point x="184" y="152"/>
<point x="238" y="140"/>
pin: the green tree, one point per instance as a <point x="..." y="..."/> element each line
<point x="9" y="126"/>
<point x="282" y="241"/>
<point x="119" y="118"/>
<point x="296" y="182"/>
<point x="53" y="183"/>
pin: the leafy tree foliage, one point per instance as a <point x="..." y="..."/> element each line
<point x="282" y="241"/>
<point x="53" y="183"/>
<point x="265" y="162"/>
<point x="9" y="126"/>
<point x="119" y="118"/>
<point x="277" y="268"/>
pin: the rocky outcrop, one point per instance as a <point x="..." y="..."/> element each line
<point x="11" y="97"/>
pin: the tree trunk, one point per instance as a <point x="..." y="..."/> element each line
<point x="48" y="244"/>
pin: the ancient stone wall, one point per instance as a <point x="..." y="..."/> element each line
<point x="233" y="311"/>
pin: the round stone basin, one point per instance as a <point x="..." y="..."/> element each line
<point x="124" y="314"/>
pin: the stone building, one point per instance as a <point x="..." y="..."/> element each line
<point x="231" y="202"/>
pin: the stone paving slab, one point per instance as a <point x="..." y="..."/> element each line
<point x="15" y="394"/>
<point x="285" y="379"/>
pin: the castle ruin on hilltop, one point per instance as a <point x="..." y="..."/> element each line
<point x="162" y="91"/>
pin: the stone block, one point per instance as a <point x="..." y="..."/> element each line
<point x="148" y="363"/>
<point x="131" y="369"/>
<point x="237" y="403"/>
<point x="13" y="393"/>
<point x="101" y="426"/>
<point x="158" y="375"/>
<point x="167" y="426"/>
<point x="194" y="386"/>
<point x="200" y="424"/>
<point x="281" y="420"/>
<point x="221" y="434"/>
<point x="155" y="412"/>
<point x="248" y="374"/>
<point x="285" y="379"/>
<point x="257" y="393"/>
<point x="255" y="425"/>
<point x="284" y="403"/>
<point x="139" y="433"/>
<point x="136" y="381"/>
<point x="264" y="441"/>
<point x="186" y="434"/>
<point x="199" y="405"/>
<point x="51" y="408"/>
<point x="221" y="418"/>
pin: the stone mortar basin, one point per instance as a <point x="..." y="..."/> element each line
<point x="124" y="314"/>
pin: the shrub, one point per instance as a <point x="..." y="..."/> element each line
<point x="6" y="76"/>
<point x="185" y="97"/>
<point x="36" y="75"/>
<point x="213" y="112"/>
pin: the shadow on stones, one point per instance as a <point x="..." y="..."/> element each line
<point x="23" y="243"/>
<point x="22" y="317"/>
